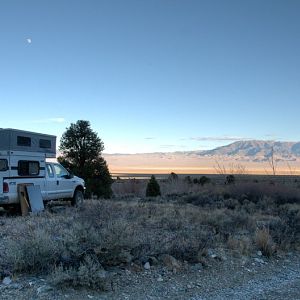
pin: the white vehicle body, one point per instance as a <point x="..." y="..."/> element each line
<point x="23" y="161"/>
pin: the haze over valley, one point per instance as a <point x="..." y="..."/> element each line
<point x="251" y="156"/>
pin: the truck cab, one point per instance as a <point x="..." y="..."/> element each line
<point x="60" y="183"/>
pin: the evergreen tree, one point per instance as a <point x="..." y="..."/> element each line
<point x="153" y="188"/>
<point x="81" y="150"/>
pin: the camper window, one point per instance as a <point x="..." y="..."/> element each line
<point x="45" y="144"/>
<point x="3" y="165"/>
<point x="24" y="141"/>
<point x="28" y="168"/>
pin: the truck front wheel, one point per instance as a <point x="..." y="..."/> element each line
<point x="77" y="199"/>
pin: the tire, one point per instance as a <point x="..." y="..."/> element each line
<point x="78" y="198"/>
<point x="13" y="209"/>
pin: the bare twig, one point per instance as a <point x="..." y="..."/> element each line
<point x="220" y="169"/>
<point x="292" y="171"/>
<point x="272" y="162"/>
<point x="238" y="169"/>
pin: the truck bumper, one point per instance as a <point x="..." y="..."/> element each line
<point x="4" y="200"/>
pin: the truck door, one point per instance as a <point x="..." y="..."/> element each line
<point x="64" y="183"/>
<point x="52" y="189"/>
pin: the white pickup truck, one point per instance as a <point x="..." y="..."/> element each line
<point x="23" y="161"/>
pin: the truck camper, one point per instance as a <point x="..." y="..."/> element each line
<point x="24" y="159"/>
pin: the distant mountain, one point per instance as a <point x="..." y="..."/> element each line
<point x="253" y="155"/>
<point x="256" y="150"/>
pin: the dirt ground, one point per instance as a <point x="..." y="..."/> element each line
<point x="231" y="278"/>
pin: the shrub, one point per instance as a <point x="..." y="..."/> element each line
<point x="227" y="221"/>
<point x="129" y="187"/>
<point x="34" y="251"/>
<point x="206" y="198"/>
<point x="282" y="234"/>
<point x="230" y="179"/>
<point x="89" y="274"/>
<point x="188" y="179"/>
<point x="231" y="203"/>
<point x="99" y="187"/>
<point x="241" y="244"/>
<point x="254" y="192"/>
<point x="204" y="180"/>
<point x="78" y="245"/>
<point x="264" y="242"/>
<point x="173" y="177"/>
<point x="290" y="217"/>
<point x="195" y="181"/>
<point x="153" y="188"/>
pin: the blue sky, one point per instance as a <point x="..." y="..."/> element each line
<point x="155" y="75"/>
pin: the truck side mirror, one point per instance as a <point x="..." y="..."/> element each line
<point x="68" y="176"/>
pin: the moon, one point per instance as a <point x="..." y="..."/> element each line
<point x="28" y="41"/>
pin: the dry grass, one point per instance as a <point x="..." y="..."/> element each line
<point x="89" y="274"/>
<point x="76" y="246"/>
<point x="130" y="187"/>
<point x="111" y="232"/>
<point x="137" y="187"/>
<point x="242" y="244"/>
<point x="264" y="242"/>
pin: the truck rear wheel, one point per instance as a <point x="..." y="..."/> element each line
<point x="13" y="209"/>
<point x="77" y="199"/>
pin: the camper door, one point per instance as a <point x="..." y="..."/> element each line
<point x="4" y="171"/>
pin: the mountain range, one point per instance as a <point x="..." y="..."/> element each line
<point x="256" y="150"/>
<point x="254" y="155"/>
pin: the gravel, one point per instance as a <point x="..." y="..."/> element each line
<point x="233" y="278"/>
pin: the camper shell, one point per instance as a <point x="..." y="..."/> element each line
<point x="12" y="140"/>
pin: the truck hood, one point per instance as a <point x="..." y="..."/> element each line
<point x="78" y="179"/>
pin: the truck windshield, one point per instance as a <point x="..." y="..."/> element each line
<point x="60" y="171"/>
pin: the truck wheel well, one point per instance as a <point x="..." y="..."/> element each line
<point x="79" y="188"/>
<point x="78" y="196"/>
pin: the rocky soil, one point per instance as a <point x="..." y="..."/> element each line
<point x="218" y="277"/>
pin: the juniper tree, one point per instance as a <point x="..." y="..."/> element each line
<point x="81" y="150"/>
<point x="153" y="188"/>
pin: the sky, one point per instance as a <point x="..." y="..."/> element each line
<point x="152" y="75"/>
